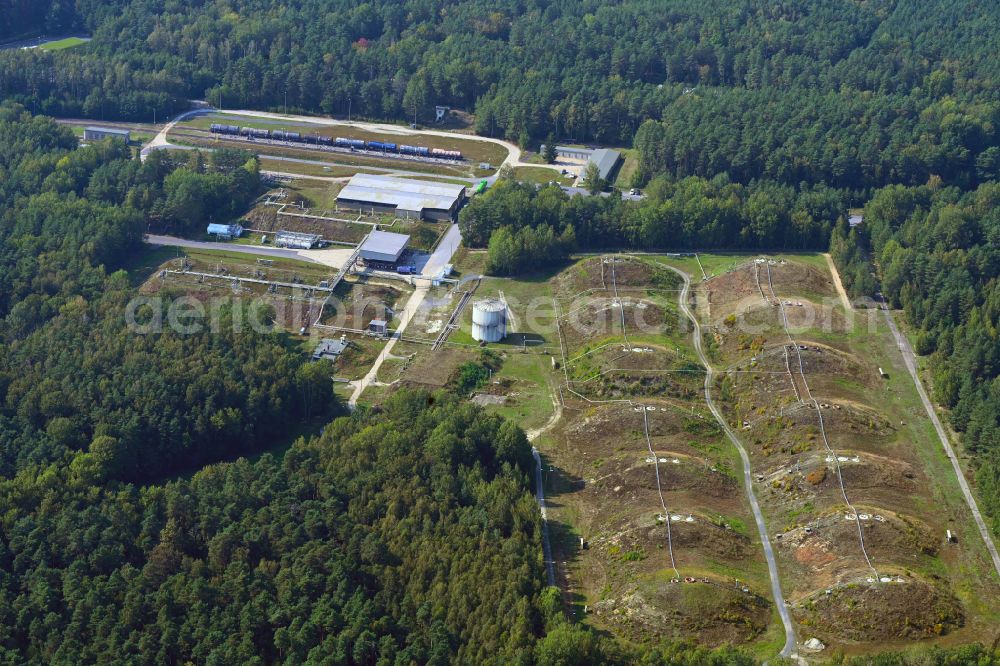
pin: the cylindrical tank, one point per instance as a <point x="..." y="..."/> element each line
<point x="489" y="320"/>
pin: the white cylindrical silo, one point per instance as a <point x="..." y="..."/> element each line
<point x="489" y="320"/>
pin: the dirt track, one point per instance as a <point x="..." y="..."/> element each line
<point x="789" y="649"/>
<point x="837" y="283"/>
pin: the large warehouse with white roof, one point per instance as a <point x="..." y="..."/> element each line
<point x="402" y="197"/>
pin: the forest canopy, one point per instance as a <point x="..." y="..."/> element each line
<point x="855" y="95"/>
<point x="77" y="386"/>
<point x="409" y="534"/>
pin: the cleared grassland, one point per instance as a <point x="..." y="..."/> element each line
<point x="61" y="44"/>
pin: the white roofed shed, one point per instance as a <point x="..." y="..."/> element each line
<point x="410" y="198"/>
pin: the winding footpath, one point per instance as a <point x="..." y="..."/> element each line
<point x="772" y="566"/>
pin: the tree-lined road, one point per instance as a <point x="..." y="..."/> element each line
<point x="910" y="361"/>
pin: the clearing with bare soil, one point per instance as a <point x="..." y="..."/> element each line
<point x="803" y="388"/>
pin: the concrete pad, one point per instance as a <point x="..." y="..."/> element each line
<point x="332" y="257"/>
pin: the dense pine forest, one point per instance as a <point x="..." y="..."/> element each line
<point x="408" y="534"/>
<point x="79" y="386"/>
<point x="938" y="253"/>
<point x="854" y="95"/>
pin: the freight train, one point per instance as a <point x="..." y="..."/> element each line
<point x="352" y="144"/>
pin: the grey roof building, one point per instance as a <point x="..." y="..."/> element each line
<point x="329" y="349"/>
<point x="572" y="153"/>
<point x="606" y="161"/>
<point x="94" y="133"/>
<point x="403" y="197"/>
<point x="383" y="246"/>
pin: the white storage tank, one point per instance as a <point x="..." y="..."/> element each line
<point x="489" y="320"/>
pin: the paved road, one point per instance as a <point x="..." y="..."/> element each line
<point x="442" y="255"/>
<point x="392" y="172"/>
<point x="301" y="176"/>
<point x="444" y="251"/>
<point x="334" y="258"/>
<point x="910" y="360"/>
<point x="540" y="496"/>
<point x="772" y="566"/>
<point x="160" y="140"/>
<point x="173" y="241"/>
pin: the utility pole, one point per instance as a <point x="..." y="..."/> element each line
<point x="348" y="108"/>
<point x="286" y="102"/>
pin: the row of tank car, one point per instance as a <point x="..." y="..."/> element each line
<point x="353" y="144"/>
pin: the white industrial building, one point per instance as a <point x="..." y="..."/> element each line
<point x="94" y="133"/>
<point x="399" y="196"/>
<point x="296" y="240"/>
<point x="605" y="158"/>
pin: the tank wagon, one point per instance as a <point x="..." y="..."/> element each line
<point x="342" y="142"/>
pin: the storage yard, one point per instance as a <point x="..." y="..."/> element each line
<point x="728" y="452"/>
<point x="337" y="144"/>
<point x="342" y="145"/>
<point x="650" y="523"/>
<point x="652" y="527"/>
